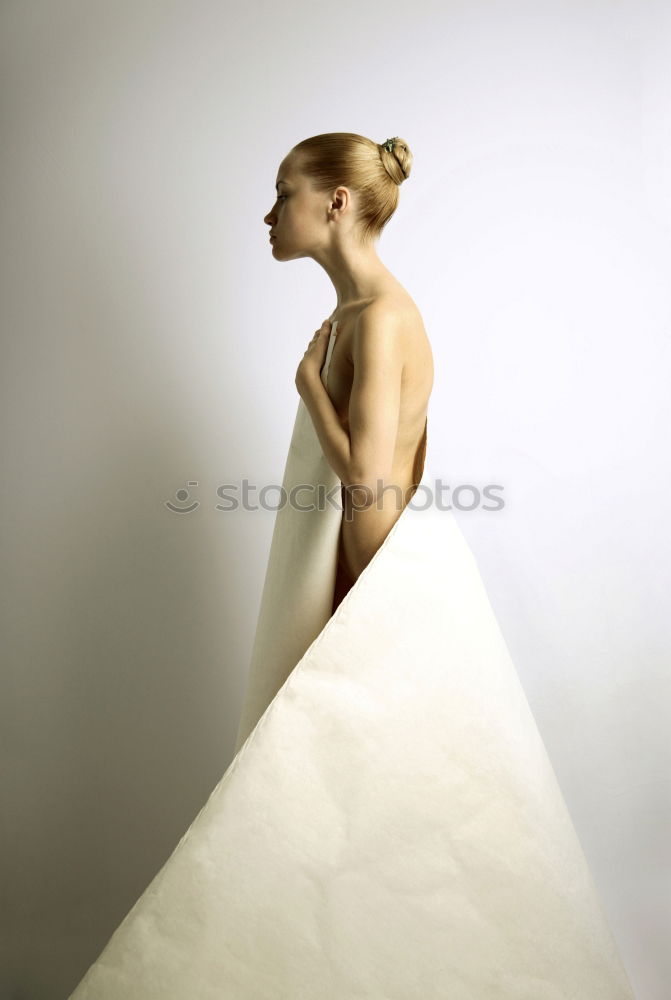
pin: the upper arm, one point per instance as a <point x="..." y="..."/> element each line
<point x="375" y="399"/>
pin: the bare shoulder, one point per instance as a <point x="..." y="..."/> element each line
<point x="390" y="324"/>
<point x="391" y="310"/>
<point x="391" y="316"/>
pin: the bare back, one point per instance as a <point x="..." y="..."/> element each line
<point x="364" y="530"/>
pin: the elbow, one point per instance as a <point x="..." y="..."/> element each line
<point x="366" y="484"/>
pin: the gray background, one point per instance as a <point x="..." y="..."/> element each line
<point x="150" y="339"/>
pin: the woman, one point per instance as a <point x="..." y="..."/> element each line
<point x="390" y="827"/>
<point x="335" y="193"/>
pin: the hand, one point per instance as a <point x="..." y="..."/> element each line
<point x="313" y="360"/>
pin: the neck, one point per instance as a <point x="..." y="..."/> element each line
<point x="356" y="273"/>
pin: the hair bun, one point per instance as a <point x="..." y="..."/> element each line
<point x="397" y="158"/>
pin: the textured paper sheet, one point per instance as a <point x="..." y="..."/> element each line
<point x="391" y="826"/>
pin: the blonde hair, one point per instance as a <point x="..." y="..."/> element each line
<point x="367" y="167"/>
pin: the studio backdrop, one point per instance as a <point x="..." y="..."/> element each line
<point x="150" y="343"/>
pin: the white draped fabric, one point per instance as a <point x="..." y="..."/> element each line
<point x="390" y="827"/>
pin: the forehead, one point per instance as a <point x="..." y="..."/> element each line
<point x="289" y="172"/>
<point x="285" y="177"/>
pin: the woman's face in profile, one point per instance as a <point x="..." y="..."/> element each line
<point x="298" y="219"/>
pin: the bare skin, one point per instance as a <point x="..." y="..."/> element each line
<point x="371" y="416"/>
<point x="366" y="523"/>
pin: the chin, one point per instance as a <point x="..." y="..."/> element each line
<point x="281" y="254"/>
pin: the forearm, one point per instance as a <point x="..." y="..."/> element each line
<point x="333" y="437"/>
<point x="337" y="446"/>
